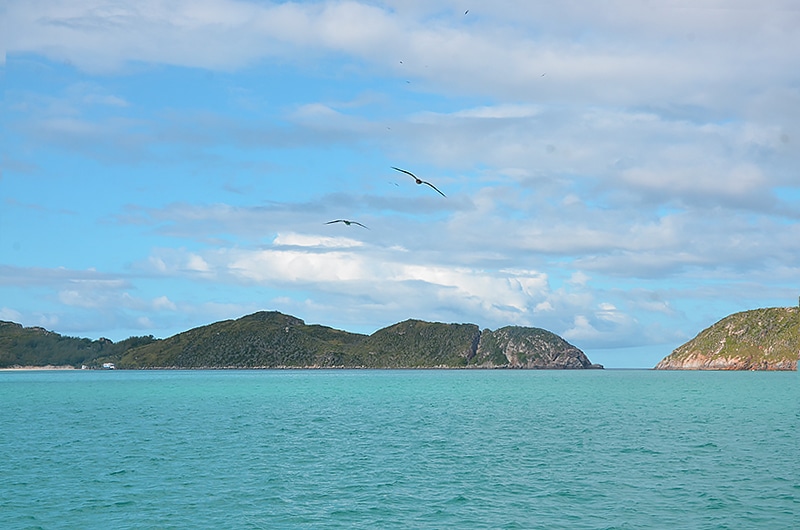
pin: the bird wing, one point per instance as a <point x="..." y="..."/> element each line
<point x="347" y="222"/>
<point x="404" y="171"/>
<point x="419" y="179"/>
<point x="434" y="187"/>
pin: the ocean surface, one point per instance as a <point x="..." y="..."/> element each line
<point x="399" y="449"/>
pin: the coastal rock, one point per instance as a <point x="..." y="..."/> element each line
<point x="269" y="339"/>
<point x="522" y="347"/>
<point x="760" y="339"/>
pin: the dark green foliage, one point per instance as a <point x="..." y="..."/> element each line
<point x="491" y="352"/>
<point x="415" y="343"/>
<point x="263" y="340"/>
<point x="274" y="340"/>
<point x="36" y="346"/>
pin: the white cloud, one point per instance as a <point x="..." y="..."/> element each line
<point x="311" y="240"/>
<point x="579" y="278"/>
<point x="633" y="143"/>
<point x="503" y="111"/>
<point x="164" y="303"/>
<point x="196" y="263"/>
<point x="144" y="322"/>
<point x="581" y="49"/>
<point x="10" y="315"/>
<point x="293" y="266"/>
<point x="374" y="273"/>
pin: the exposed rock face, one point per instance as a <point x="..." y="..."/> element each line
<point x="430" y="344"/>
<point x="519" y="347"/>
<point x="761" y="339"/>
<point x="269" y="339"/>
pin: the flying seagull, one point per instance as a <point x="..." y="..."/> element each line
<point x="418" y="180"/>
<point x="347" y="222"/>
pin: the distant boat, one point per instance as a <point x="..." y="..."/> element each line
<point x="109" y="366"/>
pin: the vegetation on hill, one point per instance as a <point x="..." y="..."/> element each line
<point x="274" y="340"/>
<point x="760" y="339"/>
<point x="520" y="347"/>
<point x="35" y="346"/>
<point x="263" y="339"/>
<point x="415" y="343"/>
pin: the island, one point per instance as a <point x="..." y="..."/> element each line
<point x="270" y="339"/>
<point x="759" y="339"/>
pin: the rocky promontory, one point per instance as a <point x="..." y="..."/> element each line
<point x="274" y="340"/>
<point x="522" y="347"/>
<point x="760" y="339"/>
<point x="269" y="339"/>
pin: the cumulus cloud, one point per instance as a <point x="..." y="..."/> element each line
<point x="372" y="273"/>
<point x="586" y="150"/>
<point x="10" y="315"/>
<point x="512" y="47"/>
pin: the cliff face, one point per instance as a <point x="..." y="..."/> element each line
<point x="519" y="347"/>
<point x="274" y="340"/>
<point x="761" y="339"/>
<point x="271" y="340"/>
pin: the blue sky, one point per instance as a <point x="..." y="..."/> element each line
<point x="621" y="173"/>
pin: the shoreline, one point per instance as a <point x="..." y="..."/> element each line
<point x="46" y="367"/>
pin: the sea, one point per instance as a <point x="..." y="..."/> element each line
<point x="462" y="449"/>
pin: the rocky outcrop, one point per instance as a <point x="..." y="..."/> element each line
<point x="269" y="339"/>
<point x="760" y="339"/>
<point x="416" y="343"/>
<point x="522" y="347"/>
<point x="275" y="340"/>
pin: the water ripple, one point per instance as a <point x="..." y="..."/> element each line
<point x="399" y="449"/>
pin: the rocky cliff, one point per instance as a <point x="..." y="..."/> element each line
<point x="274" y="340"/>
<point x="269" y="339"/>
<point x="521" y="347"/>
<point x="760" y="339"/>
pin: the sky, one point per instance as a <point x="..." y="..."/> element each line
<point x="623" y="173"/>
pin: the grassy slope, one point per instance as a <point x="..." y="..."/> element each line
<point x="770" y="335"/>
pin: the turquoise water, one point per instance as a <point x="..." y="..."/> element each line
<point x="399" y="449"/>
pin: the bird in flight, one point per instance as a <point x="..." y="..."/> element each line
<point x="419" y="180"/>
<point x="347" y="222"/>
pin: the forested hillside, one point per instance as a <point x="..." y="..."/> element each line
<point x="274" y="340"/>
<point x="35" y="346"/>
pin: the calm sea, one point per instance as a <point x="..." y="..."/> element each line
<point x="399" y="449"/>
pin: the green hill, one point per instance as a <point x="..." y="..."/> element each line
<point x="415" y="343"/>
<point x="760" y="339"/>
<point x="274" y="340"/>
<point x="261" y="340"/>
<point x="36" y="346"/>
